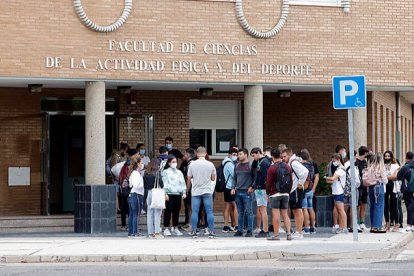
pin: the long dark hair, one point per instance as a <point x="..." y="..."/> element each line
<point x="393" y="161"/>
<point x="170" y="158"/>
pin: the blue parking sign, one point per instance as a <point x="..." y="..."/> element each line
<point x="349" y="92"/>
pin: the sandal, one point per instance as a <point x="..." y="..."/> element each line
<point x="273" y="238"/>
<point x="379" y="230"/>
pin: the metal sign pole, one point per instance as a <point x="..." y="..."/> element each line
<point x="352" y="161"/>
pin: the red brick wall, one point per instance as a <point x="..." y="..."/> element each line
<point x="305" y="120"/>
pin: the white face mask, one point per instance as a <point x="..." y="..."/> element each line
<point x="336" y="164"/>
<point x="173" y="165"/>
<point x="343" y="155"/>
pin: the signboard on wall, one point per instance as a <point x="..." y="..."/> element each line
<point x="19" y="176"/>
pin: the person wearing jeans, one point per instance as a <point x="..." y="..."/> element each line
<point x="376" y="203"/>
<point x="153" y="215"/>
<point x="201" y="174"/>
<point x="375" y="177"/>
<point x="242" y="188"/>
<point x="135" y="197"/>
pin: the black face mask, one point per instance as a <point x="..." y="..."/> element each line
<point x="386" y="161"/>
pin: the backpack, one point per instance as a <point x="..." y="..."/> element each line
<point x="108" y="167"/>
<point x="221" y="181"/>
<point x="410" y="184"/>
<point x="348" y="185"/>
<point x="284" y="178"/>
<point x="124" y="180"/>
<point x="311" y="176"/>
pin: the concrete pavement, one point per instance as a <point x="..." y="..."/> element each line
<point x="80" y="248"/>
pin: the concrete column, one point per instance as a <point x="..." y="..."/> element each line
<point x="360" y="127"/>
<point x="95" y="133"/>
<point x="253" y="116"/>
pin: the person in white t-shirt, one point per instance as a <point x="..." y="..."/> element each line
<point x="338" y="183"/>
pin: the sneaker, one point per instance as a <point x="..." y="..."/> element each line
<point x="402" y="230"/>
<point x="177" y="232"/>
<point x="139" y="234"/>
<point x="167" y="232"/>
<point x="312" y="230"/>
<point x="281" y="230"/>
<point x="289" y="237"/>
<point x="341" y="231"/>
<point x="158" y="236"/>
<point x="193" y="234"/>
<point x="363" y="227"/>
<point x="231" y="228"/>
<point x="124" y="228"/>
<point x="306" y="231"/>
<point x="297" y="236"/>
<point x="248" y="234"/>
<point x="409" y="229"/>
<point x="212" y="234"/>
<point x="236" y="228"/>
<point x="257" y="230"/>
<point x="143" y="212"/>
<point x="262" y="234"/>
<point x="335" y="228"/>
<point x="273" y="238"/>
<point x="151" y="236"/>
<point x="238" y="234"/>
<point x="206" y="232"/>
<point x="226" y="229"/>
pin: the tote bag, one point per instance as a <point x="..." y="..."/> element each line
<point x="158" y="194"/>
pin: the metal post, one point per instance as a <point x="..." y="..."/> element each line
<point x="352" y="160"/>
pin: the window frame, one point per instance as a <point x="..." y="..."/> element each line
<point x="323" y="3"/>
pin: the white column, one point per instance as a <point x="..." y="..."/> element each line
<point x="360" y="127"/>
<point x="95" y="133"/>
<point x="253" y="116"/>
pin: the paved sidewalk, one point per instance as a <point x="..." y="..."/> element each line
<point x="75" y="248"/>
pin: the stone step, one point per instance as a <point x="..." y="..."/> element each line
<point x="60" y="223"/>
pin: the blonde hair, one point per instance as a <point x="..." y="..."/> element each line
<point x="135" y="159"/>
<point x="201" y="150"/>
<point x="376" y="163"/>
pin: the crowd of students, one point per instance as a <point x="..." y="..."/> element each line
<point x="277" y="183"/>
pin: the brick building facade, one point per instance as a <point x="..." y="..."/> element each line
<point x="181" y="48"/>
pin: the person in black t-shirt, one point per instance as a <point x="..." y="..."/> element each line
<point x="361" y="164"/>
<point x="172" y="151"/>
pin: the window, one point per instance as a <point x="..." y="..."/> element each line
<point x="335" y="3"/>
<point x="214" y="125"/>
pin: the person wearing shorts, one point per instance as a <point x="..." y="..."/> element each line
<point x="259" y="186"/>
<point x="361" y="163"/>
<point x="338" y="183"/>
<point x="299" y="177"/>
<point x="279" y="202"/>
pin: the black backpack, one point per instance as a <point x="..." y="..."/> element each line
<point x="221" y="181"/>
<point x="284" y="178"/>
<point x="311" y="176"/>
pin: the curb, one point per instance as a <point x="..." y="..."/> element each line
<point x="402" y="242"/>
<point x="260" y="255"/>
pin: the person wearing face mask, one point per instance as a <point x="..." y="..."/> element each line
<point x="361" y="163"/>
<point x="338" y="183"/>
<point x="144" y="158"/>
<point x="175" y="189"/>
<point x="230" y="208"/>
<point x="391" y="189"/>
<point x="331" y="169"/>
<point x="169" y="141"/>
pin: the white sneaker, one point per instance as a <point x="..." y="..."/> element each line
<point x="167" y="232"/>
<point x="206" y="232"/>
<point x="359" y="227"/>
<point x="297" y="236"/>
<point x="257" y="230"/>
<point x="363" y="227"/>
<point x="177" y="232"/>
<point x="281" y="230"/>
<point x="402" y="230"/>
<point x="409" y="229"/>
<point x="335" y="228"/>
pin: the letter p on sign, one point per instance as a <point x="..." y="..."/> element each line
<point x="349" y="92"/>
